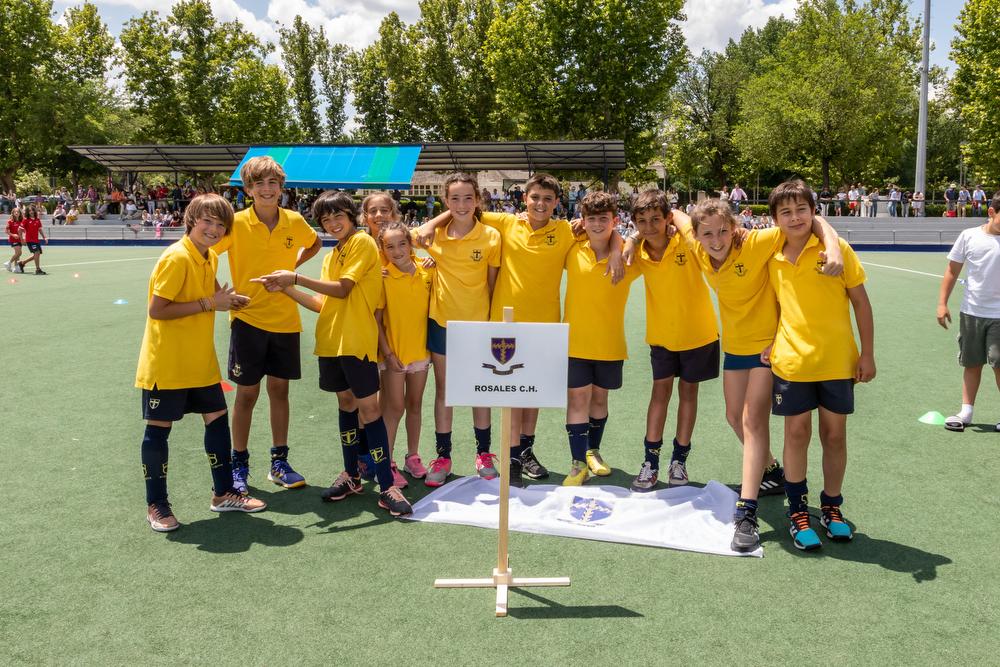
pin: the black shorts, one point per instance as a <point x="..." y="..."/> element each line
<point x="793" y="398"/>
<point x="14" y="244"/>
<point x="695" y="365"/>
<point x="34" y="247"/>
<point x="343" y="373"/>
<point x="254" y="353"/>
<point x="170" y="405"/>
<point x="604" y="374"/>
<point x="437" y="337"/>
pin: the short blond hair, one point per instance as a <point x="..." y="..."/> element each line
<point x="260" y="167"/>
<point x="212" y="205"/>
<point x="711" y="208"/>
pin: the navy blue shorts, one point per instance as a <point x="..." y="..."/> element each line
<point x="742" y="362"/>
<point x="604" y="374"/>
<point x="254" y="353"/>
<point x="34" y="247"/>
<point x="793" y="398"/>
<point x="437" y="337"/>
<point x="695" y="365"/>
<point x="347" y="372"/>
<point x="170" y="405"/>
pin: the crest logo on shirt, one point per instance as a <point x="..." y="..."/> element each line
<point x="236" y="370"/>
<point x="503" y="350"/>
<point x="289" y="241"/>
<point x="590" y="510"/>
<point x="740" y="269"/>
<point x="820" y="263"/>
<point x="550" y="239"/>
<point x="680" y="259"/>
<point x="477" y="255"/>
<point x="154" y="403"/>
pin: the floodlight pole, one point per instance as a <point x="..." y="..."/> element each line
<point x="921" y="170"/>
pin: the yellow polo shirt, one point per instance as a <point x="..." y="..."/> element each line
<point x="461" y="291"/>
<point x="679" y="313"/>
<point x="595" y="309"/>
<point x="405" y="301"/>
<point x="747" y="305"/>
<point x="815" y="339"/>
<point x="253" y="252"/>
<point x="346" y="326"/>
<point x="531" y="267"/>
<point x="180" y="353"/>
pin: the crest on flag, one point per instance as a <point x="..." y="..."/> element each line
<point x="590" y="510"/>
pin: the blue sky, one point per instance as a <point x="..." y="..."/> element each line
<point x="355" y="22"/>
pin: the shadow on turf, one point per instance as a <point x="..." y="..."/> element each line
<point x="553" y="610"/>
<point x="234" y="532"/>
<point x="333" y="517"/>
<point x="922" y="565"/>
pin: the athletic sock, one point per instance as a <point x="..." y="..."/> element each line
<point x="525" y="442"/>
<point x="653" y="452"/>
<point x="153" y="454"/>
<point x="378" y="447"/>
<point x="596" y="431"/>
<point x="745" y="506"/>
<point x="217" y="444"/>
<point x="835" y="501"/>
<point x="965" y="414"/>
<point x="579" y="440"/>
<point x="241" y="457"/>
<point x="680" y="452"/>
<point x="442" y="443"/>
<point x="483" y="437"/>
<point x="797" y="493"/>
<point x="349" y="441"/>
<point x="279" y="452"/>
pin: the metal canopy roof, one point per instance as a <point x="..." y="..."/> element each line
<point x="468" y="156"/>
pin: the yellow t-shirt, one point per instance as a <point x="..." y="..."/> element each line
<point x="679" y="313"/>
<point x="253" y="252"/>
<point x="180" y="353"/>
<point x="595" y="309"/>
<point x="461" y="291"/>
<point x="815" y="339"/>
<point x="531" y="267"/>
<point x="346" y="326"/>
<point x="405" y="301"/>
<point x="747" y="305"/>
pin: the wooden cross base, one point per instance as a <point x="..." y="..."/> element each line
<point x="502" y="581"/>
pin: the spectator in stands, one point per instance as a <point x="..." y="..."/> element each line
<point x="978" y="198"/>
<point x="840" y="203"/>
<point x="59" y="215"/>
<point x="951" y="198"/>
<point x="429" y="204"/>
<point x="895" y="197"/>
<point x="874" y="197"/>
<point x="904" y="203"/>
<point x="101" y="212"/>
<point x="72" y="214"/>
<point x="737" y="197"/>
<point x="963" y="200"/>
<point x="917" y="204"/>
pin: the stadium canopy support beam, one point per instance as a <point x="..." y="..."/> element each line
<point x="502" y="579"/>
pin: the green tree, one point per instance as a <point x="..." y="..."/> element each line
<point x="369" y="84"/>
<point x="976" y="54"/>
<point x="334" y="61"/>
<point x="837" y="93"/>
<point x="150" y="80"/>
<point x="84" y="46"/>
<point x="300" y="49"/>
<point x="254" y="106"/>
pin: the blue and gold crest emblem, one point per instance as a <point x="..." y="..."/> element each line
<point x="590" y="510"/>
<point x="503" y="350"/>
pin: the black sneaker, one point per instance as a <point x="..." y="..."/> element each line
<point x="516" y="470"/>
<point x="532" y="468"/>
<point x="394" y="501"/>
<point x="746" y="538"/>
<point x="773" y="482"/>
<point x="39" y="272"/>
<point x="342" y="487"/>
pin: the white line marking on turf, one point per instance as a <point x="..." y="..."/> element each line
<point x="897" y="268"/>
<point x="104" y="261"/>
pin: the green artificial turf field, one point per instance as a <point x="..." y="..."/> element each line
<point x="86" y="581"/>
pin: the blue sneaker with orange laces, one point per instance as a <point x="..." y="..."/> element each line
<point x="837" y="528"/>
<point x="283" y="475"/>
<point x="803" y="536"/>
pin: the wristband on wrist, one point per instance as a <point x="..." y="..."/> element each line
<point x="295" y="281"/>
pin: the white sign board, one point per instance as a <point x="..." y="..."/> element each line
<point x="507" y="364"/>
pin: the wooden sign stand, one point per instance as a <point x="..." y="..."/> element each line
<point x="502" y="578"/>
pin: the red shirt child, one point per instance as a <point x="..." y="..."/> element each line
<point x="13" y="230"/>
<point x="31" y="227"/>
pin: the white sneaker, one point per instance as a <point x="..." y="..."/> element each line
<point x="9" y="266"/>
<point x="677" y="475"/>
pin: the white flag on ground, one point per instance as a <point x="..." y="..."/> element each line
<point x="686" y="518"/>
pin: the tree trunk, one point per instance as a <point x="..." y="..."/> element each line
<point x="826" y="173"/>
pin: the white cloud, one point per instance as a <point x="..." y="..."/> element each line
<point x="712" y="23"/>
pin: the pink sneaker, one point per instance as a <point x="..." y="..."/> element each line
<point x="440" y="469"/>
<point x="485" y="465"/>
<point x="414" y="467"/>
<point x="397" y="477"/>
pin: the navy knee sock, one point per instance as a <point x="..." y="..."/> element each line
<point x="835" y="501"/>
<point x="217" y="444"/>
<point x="279" y="452"/>
<point x="596" y="431"/>
<point x="797" y="493"/>
<point x="680" y="452"/>
<point x="153" y="454"/>
<point x="579" y="440"/>
<point x="653" y="452"/>
<point x="241" y="457"/>
<point x="483" y="438"/>
<point x="745" y="506"/>
<point x="526" y="442"/>
<point x="349" y="441"/>
<point x="442" y="443"/>
<point x="378" y="447"/>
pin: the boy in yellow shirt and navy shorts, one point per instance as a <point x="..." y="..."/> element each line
<point x="178" y="371"/>
<point x="265" y="336"/>
<point x="815" y="359"/>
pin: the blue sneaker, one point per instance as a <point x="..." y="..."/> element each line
<point x="366" y="467"/>
<point x="803" y="536"/>
<point x="283" y="475"/>
<point x="837" y="528"/>
<point x="241" y="472"/>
